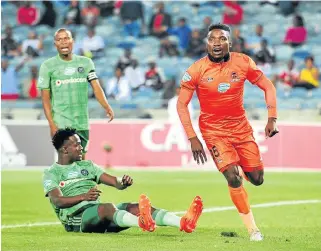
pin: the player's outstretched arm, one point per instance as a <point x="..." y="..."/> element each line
<point x="184" y="98"/>
<point x="46" y="103"/>
<point x="270" y="98"/>
<point x="61" y="201"/>
<point x="100" y="96"/>
<point x="120" y="183"/>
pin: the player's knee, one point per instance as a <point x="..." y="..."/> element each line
<point x="258" y="181"/>
<point x="133" y="208"/>
<point x="234" y="179"/>
<point x="106" y="211"/>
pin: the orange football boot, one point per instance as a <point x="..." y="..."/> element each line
<point x="189" y="220"/>
<point x="145" y="220"/>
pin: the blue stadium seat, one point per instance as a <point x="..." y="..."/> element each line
<point x="298" y="93"/>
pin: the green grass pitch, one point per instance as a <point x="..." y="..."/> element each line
<point x="287" y="227"/>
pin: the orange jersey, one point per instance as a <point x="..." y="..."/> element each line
<point x="220" y="87"/>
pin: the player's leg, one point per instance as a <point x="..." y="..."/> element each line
<point x="252" y="166"/>
<point x="226" y="159"/>
<point x="84" y="137"/>
<point x="163" y="217"/>
<point x="99" y="218"/>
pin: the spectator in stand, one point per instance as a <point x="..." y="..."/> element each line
<point x="238" y="42"/>
<point x="118" y="86"/>
<point x="207" y="21"/>
<point x="9" y="79"/>
<point x="183" y="32"/>
<point x="168" y="48"/>
<point x="73" y="15"/>
<point x="297" y="34"/>
<point x="125" y="60"/>
<point x="266" y="55"/>
<point x="29" y="86"/>
<point x="253" y="43"/>
<point x="132" y="14"/>
<point x="93" y="45"/>
<point x="135" y="75"/>
<point x="287" y="7"/>
<point x="289" y="77"/>
<point x="27" y="14"/>
<point x="9" y="47"/>
<point x="233" y="13"/>
<point x="196" y="46"/>
<point x="160" y="22"/>
<point x="309" y="76"/>
<point x="33" y="46"/>
<point x="49" y="16"/>
<point x="106" y="7"/>
<point x="90" y="14"/>
<point x="153" y="76"/>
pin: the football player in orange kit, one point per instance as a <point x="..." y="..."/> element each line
<point x="218" y="80"/>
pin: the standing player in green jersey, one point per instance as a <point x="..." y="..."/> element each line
<point x="71" y="185"/>
<point x="63" y="81"/>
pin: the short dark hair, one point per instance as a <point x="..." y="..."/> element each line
<point x="61" y="135"/>
<point x="219" y="26"/>
<point x="309" y="58"/>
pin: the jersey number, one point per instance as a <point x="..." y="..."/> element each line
<point x="214" y="152"/>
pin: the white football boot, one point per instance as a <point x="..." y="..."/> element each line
<point x="256" y="236"/>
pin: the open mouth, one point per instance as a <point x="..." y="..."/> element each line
<point x="65" y="49"/>
<point x="217" y="51"/>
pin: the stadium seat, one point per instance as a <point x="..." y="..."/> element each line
<point x="283" y="52"/>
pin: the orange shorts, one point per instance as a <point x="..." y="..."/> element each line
<point x="228" y="150"/>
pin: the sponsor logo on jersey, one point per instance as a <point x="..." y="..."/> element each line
<point x="186" y="77"/>
<point x="70" y="81"/>
<point x="69" y="71"/>
<point x="72" y="175"/>
<point x="208" y="80"/>
<point x="84" y="172"/>
<point x="223" y="87"/>
<point x="67" y="182"/>
<point x="81" y="69"/>
<point x="234" y="77"/>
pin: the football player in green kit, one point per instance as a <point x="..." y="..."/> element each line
<point x="63" y="81"/>
<point x="71" y="185"/>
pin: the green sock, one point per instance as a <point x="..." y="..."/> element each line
<point x="125" y="219"/>
<point x="165" y="218"/>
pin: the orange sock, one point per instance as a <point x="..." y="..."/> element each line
<point x="241" y="202"/>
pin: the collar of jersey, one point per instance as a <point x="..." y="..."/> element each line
<point x="225" y="58"/>
<point x="64" y="61"/>
<point x="73" y="164"/>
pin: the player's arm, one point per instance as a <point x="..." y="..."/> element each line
<point x="61" y="201"/>
<point x="120" y="183"/>
<point x="188" y="85"/>
<point x="256" y="77"/>
<point x="99" y="92"/>
<point x="44" y="85"/>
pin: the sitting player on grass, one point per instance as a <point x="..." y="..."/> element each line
<point x="71" y="185"/>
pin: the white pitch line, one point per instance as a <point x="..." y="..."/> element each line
<point x="207" y="210"/>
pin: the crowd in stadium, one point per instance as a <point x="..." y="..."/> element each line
<point x="140" y="45"/>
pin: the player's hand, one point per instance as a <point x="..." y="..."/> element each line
<point x="198" y="150"/>
<point x="127" y="181"/>
<point x="110" y="114"/>
<point x="92" y="194"/>
<point x="271" y="129"/>
<point x="124" y="182"/>
<point x="53" y="130"/>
